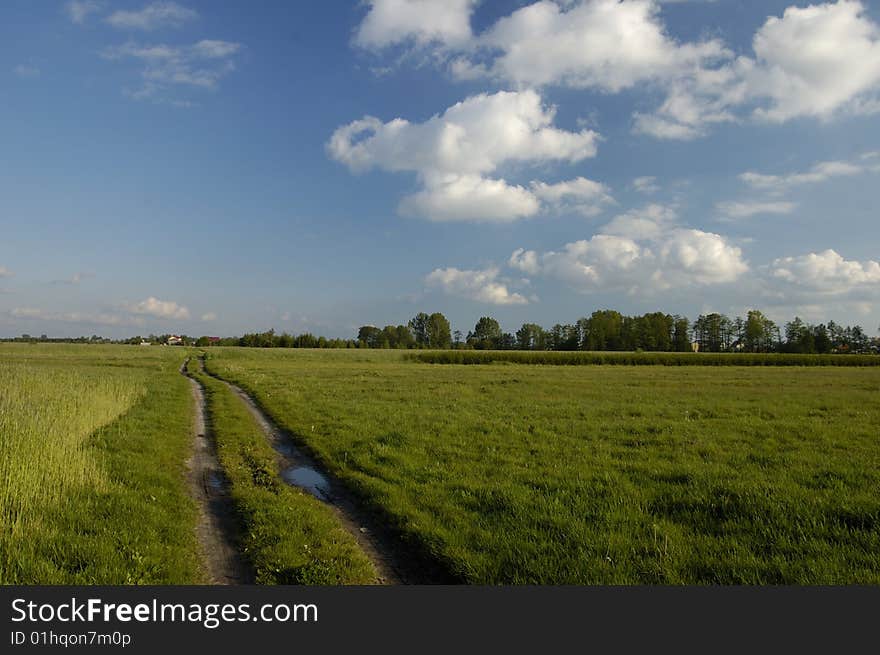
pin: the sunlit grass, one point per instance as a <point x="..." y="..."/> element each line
<point x="597" y="474"/>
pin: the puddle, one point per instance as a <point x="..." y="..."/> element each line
<point x="214" y="481"/>
<point x="309" y="480"/>
<point x="286" y="449"/>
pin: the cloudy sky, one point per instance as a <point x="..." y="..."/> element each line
<point x="213" y="168"/>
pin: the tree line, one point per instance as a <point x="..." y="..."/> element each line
<point x="603" y="330"/>
<point x="609" y="330"/>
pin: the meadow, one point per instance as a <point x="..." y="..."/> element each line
<point x="510" y="471"/>
<point x="598" y="474"/>
<point x="92" y="463"/>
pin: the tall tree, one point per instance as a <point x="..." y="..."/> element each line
<point x="419" y="326"/>
<point x="438" y="331"/>
<point x="486" y="335"/>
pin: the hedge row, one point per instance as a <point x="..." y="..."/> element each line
<point x="558" y="358"/>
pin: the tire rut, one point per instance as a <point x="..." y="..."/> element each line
<point x="217" y="528"/>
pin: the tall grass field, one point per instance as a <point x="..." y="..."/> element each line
<point x="596" y="474"/>
<point x="93" y="444"/>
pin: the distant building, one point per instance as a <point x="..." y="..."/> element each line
<point x="145" y="343"/>
<point x="695" y="346"/>
<point x="175" y="340"/>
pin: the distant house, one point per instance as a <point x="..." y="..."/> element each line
<point x="174" y="340"/>
<point x="695" y="346"/>
<point x="145" y="343"/>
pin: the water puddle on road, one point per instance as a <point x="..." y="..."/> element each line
<point x="214" y="483"/>
<point x="308" y="479"/>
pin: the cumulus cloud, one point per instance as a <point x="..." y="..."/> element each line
<point x="200" y="65"/>
<point x="156" y="308"/>
<point x="818" y="173"/>
<point x="746" y="209"/>
<point x="211" y="316"/>
<point x="648" y="222"/>
<point x="579" y="195"/>
<point x="640" y="251"/>
<point x="421" y="22"/>
<point x="153" y="16"/>
<point x="454" y="153"/>
<point x="79" y="10"/>
<point x="815" y="61"/>
<point x="602" y="44"/>
<point x="5" y="272"/>
<point x="470" y="197"/>
<point x="827" y="272"/>
<point x="478" y="285"/>
<point x="647" y="184"/>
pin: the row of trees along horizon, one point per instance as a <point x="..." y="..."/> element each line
<point x="604" y="330"/>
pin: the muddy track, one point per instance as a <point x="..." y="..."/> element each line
<point x="216" y="529"/>
<point x="395" y="561"/>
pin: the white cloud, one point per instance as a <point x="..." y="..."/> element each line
<point x="815" y="61"/>
<point x="649" y="222"/>
<point x="602" y="44"/>
<point x="160" y="309"/>
<point x="470" y="198"/>
<point x="579" y="195"/>
<point x="826" y="272"/>
<point x="209" y="316"/>
<point x="481" y="286"/>
<point x="26" y="70"/>
<point x="640" y="251"/>
<point x="153" y="16"/>
<point x="422" y="22"/>
<point x="79" y="10"/>
<point x="746" y="209"/>
<point x="5" y="272"/>
<point x="647" y="184"/>
<point x="454" y="152"/>
<point x="525" y="260"/>
<point x="200" y="65"/>
<point x="818" y="173"/>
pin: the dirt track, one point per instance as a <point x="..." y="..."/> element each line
<point x="216" y="528"/>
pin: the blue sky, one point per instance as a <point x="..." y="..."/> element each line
<point x="214" y="168"/>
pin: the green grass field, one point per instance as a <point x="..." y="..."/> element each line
<point x="503" y="472"/>
<point x="596" y="474"/>
<point x="92" y="463"/>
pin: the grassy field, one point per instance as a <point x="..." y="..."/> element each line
<point x="92" y="465"/>
<point x="596" y="474"/>
<point x="288" y="536"/>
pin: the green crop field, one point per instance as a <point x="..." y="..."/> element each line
<point x="93" y="445"/>
<point x="512" y="473"/>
